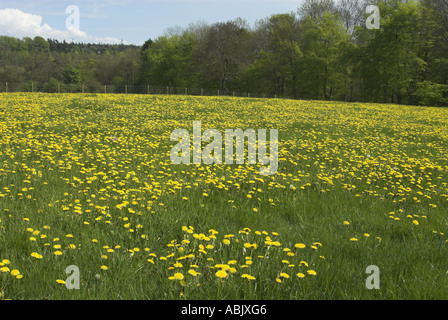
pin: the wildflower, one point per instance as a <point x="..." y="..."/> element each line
<point x="14" y="272"/>
<point x="177" y="276"/>
<point x="248" y="277"/>
<point x="303" y="263"/>
<point x="36" y="255"/>
<point x="221" y="274"/>
<point x="193" y="272"/>
<point x="311" y="272"/>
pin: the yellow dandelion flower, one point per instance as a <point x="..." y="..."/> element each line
<point x="14" y="272"/>
<point x="178" y="276"/>
<point x="193" y="272"/>
<point x="311" y="272"/>
<point x="221" y="274"/>
<point x="248" y="277"/>
<point x="36" y="255"/>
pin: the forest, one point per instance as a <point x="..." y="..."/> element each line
<point x="323" y="51"/>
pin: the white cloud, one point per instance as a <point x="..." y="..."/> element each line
<point x="16" y="23"/>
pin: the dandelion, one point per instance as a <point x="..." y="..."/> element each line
<point x="36" y="255"/>
<point x="193" y="272"/>
<point x="221" y="274"/>
<point x="311" y="272"/>
<point x="248" y="277"/>
<point x="177" y="276"/>
<point x="303" y="263"/>
<point x="14" y="272"/>
<point x="4" y="269"/>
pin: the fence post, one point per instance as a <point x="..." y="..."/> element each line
<point x="147" y="88"/>
<point x="126" y="88"/>
<point x="202" y="91"/>
<point x="82" y="87"/>
<point x="59" y="88"/>
<point x="105" y="89"/>
<point x="167" y="90"/>
<point x="32" y="86"/>
<point x="218" y="92"/>
<point x="6" y="86"/>
<point x="186" y="91"/>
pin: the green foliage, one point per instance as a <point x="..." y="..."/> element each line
<point x="431" y="94"/>
<point x="71" y="75"/>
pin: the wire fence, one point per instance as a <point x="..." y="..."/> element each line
<point x="53" y="87"/>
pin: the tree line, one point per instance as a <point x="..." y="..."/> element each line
<point x="324" y="51"/>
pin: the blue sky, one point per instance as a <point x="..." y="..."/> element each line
<point x="133" y="21"/>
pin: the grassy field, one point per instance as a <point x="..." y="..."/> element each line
<point x="87" y="180"/>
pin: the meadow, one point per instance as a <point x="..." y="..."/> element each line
<point x="86" y="180"/>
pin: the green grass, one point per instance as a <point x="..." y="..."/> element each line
<point x="379" y="167"/>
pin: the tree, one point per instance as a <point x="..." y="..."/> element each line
<point x="388" y="58"/>
<point x="276" y="67"/>
<point x="167" y="59"/>
<point x="71" y="75"/>
<point x="222" y="55"/>
<point x="316" y="8"/>
<point x="323" y="41"/>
